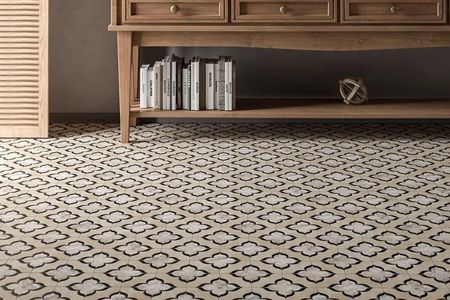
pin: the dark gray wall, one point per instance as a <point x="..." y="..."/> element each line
<point x="84" y="71"/>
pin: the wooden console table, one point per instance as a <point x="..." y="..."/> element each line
<point x="332" y="25"/>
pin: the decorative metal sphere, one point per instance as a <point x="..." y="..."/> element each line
<point x="353" y="90"/>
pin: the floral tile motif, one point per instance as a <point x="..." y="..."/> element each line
<point x="227" y="211"/>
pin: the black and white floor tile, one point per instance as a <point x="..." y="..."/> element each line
<point x="227" y="211"/>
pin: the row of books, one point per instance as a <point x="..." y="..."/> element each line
<point x="172" y="84"/>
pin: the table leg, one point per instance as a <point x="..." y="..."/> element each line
<point x="124" y="43"/>
<point x="135" y="57"/>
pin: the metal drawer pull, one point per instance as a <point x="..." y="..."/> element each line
<point x="284" y="9"/>
<point x="395" y="9"/>
<point x="174" y="9"/>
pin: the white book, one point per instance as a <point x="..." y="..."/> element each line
<point x="216" y="86"/>
<point x="191" y="106"/>
<point x="227" y="85"/>
<point x="197" y="84"/>
<point x="143" y="95"/>
<point x="157" y="83"/>
<point x="233" y="85"/>
<point x="167" y="84"/>
<point x="195" y="103"/>
<point x="173" y="83"/>
<point x="185" y="91"/>
<point x="189" y="80"/>
<point x="230" y="85"/>
<point x="151" y="89"/>
<point x="209" y="83"/>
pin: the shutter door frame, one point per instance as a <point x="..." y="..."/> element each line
<point x="26" y="118"/>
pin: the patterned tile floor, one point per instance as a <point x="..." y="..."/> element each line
<point x="227" y="211"/>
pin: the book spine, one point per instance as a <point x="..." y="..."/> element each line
<point x="189" y="75"/>
<point x="180" y="64"/>
<point x="143" y="94"/>
<point x="209" y="82"/>
<point x="167" y="69"/>
<point x="202" y="85"/>
<point x="173" y="84"/>
<point x="216" y="86"/>
<point x="233" y="85"/>
<point x="221" y="101"/>
<point x="151" y="89"/>
<point x="193" y="84"/>
<point x="227" y="85"/>
<point x="164" y="85"/>
<point x="185" y="89"/>
<point x="157" y="85"/>
<point x="230" y="85"/>
<point x="197" y="86"/>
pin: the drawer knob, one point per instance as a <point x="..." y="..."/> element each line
<point x="395" y="9"/>
<point x="284" y="9"/>
<point x="174" y="9"/>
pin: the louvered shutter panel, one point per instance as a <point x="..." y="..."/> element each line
<point x="24" y="68"/>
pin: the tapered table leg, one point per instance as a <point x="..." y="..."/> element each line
<point x="124" y="43"/>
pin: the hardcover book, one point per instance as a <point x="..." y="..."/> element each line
<point x="167" y="83"/>
<point x="173" y="82"/>
<point x="195" y="85"/>
<point x="143" y="95"/>
<point x="179" y="85"/>
<point x="221" y="87"/>
<point x="216" y="85"/>
<point x="202" y="84"/>
<point x="227" y="84"/>
<point x="184" y="98"/>
<point x="209" y="83"/>
<point x="157" y="85"/>
<point x="151" y="89"/>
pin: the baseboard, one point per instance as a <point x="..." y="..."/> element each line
<point x="115" y="118"/>
<point x="84" y="118"/>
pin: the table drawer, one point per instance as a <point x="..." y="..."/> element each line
<point x="289" y="11"/>
<point x="177" y="11"/>
<point x="396" y="11"/>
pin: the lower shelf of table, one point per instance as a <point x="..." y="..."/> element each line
<point x="314" y="109"/>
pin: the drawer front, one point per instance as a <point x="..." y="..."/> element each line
<point x="289" y="11"/>
<point x="177" y="11"/>
<point x="396" y="11"/>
